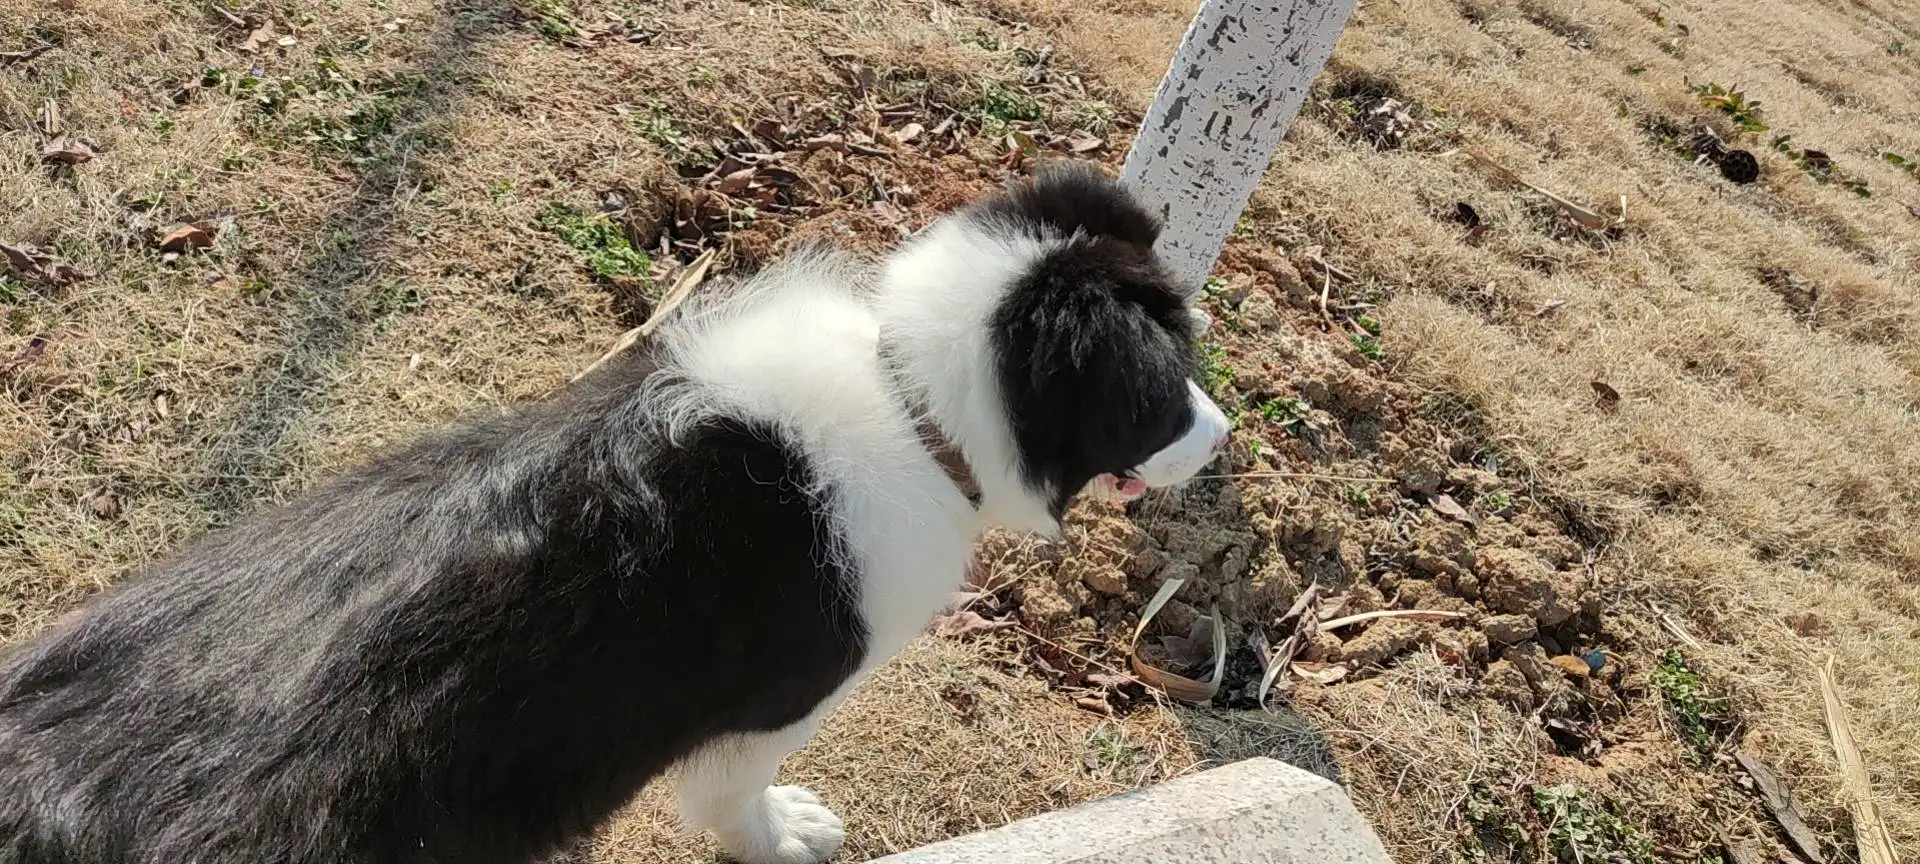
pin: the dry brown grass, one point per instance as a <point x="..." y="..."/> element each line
<point x="1760" y="467"/>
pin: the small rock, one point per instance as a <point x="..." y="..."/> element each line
<point x="1111" y="581"/>
<point x="1386" y="640"/>
<point x="1442" y="549"/>
<point x="1510" y="629"/>
<point x="1422" y="475"/>
<point x="1324" y="648"/>
<point x="1505" y="683"/>
<point x="1516" y="582"/>
<point x="1044" y="605"/>
<point x="1461" y="646"/>
<point x="1258" y="312"/>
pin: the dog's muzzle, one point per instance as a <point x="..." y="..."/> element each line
<point x="1177" y="462"/>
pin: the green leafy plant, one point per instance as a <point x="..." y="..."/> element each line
<point x="1010" y="106"/>
<point x="1695" y="713"/>
<point x="655" y="123"/>
<point x="1732" y="102"/>
<point x="608" y="253"/>
<point x="1580" y="831"/>
<point x="1368" y="346"/>
<point x="1821" y="167"/>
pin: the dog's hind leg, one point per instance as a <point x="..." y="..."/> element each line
<point x="727" y="789"/>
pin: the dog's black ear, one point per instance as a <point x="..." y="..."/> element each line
<point x="1075" y="197"/>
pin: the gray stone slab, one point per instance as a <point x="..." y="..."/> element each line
<point x="1260" y="811"/>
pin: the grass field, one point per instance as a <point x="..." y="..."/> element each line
<point x="272" y="238"/>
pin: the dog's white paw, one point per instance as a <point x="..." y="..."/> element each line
<point x="790" y="826"/>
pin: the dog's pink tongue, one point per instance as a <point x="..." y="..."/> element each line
<point x="1125" y="488"/>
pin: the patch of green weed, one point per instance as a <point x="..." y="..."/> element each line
<point x="608" y="253"/>
<point x="1694" y="712"/>
<point x="1010" y="106"/>
<point x="1731" y="101"/>
<point x="655" y="123"/>
<point x="1580" y="831"/>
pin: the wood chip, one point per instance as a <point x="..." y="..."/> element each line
<point x="1786" y="811"/>
<point x="1869" y="832"/>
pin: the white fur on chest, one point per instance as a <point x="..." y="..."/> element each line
<point x="804" y="355"/>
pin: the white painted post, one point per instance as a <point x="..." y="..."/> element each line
<point x="1234" y="87"/>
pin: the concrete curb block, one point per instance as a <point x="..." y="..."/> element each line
<point x="1260" y="811"/>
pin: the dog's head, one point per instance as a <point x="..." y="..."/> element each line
<point x="1056" y="304"/>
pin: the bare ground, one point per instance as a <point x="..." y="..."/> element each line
<point x="418" y="210"/>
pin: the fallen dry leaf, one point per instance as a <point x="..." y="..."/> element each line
<point x="1194" y="648"/>
<point x="1321" y="673"/>
<point x="106" y="505"/>
<point x="67" y="154"/>
<point x="1913" y="210"/>
<point x="1085" y="144"/>
<point x="1112" y="681"/>
<point x="35" y="347"/>
<point x="908" y="132"/>
<point x="967" y="623"/>
<point x="1548" y="307"/>
<point x="1571" y="665"/>
<point x="735" y="183"/>
<point x="258" y="39"/>
<point x="1177" y="686"/>
<point x="1446" y="506"/>
<point x="1415" y="614"/>
<point x="185" y="236"/>
<point x="1605" y="396"/>
<point x="8" y="58"/>
<point x="31" y="263"/>
<point x="1780" y="802"/>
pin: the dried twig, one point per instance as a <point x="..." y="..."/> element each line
<point x="688" y="280"/>
<point x="1429" y="614"/>
<point x="1869" y="832"/>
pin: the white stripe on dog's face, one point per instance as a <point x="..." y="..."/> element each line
<point x="1177" y="462"/>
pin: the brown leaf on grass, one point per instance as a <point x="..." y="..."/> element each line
<point x="8" y="58"/>
<point x="908" y="132"/>
<point x="185" y="236"/>
<point x="67" y="154"/>
<point x="258" y="39"/>
<point x="106" y="505"/>
<point x="1081" y="144"/>
<point x="967" y="623"/>
<point x="736" y="182"/>
<point x="1780" y="802"/>
<point x="31" y="263"/>
<point x="35" y="347"/>
<point x="1605" y="396"/>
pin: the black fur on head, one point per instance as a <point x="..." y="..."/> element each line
<point x="1094" y="343"/>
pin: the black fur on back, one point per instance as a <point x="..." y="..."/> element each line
<point x="1095" y="345"/>
<point x="472" y="651"/>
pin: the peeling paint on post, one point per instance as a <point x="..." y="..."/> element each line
<point x="1234" y="87"/>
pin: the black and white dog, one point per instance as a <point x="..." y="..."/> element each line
<point x="477" y="649"/>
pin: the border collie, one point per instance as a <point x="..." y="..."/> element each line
<point x="478" y="648"/>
